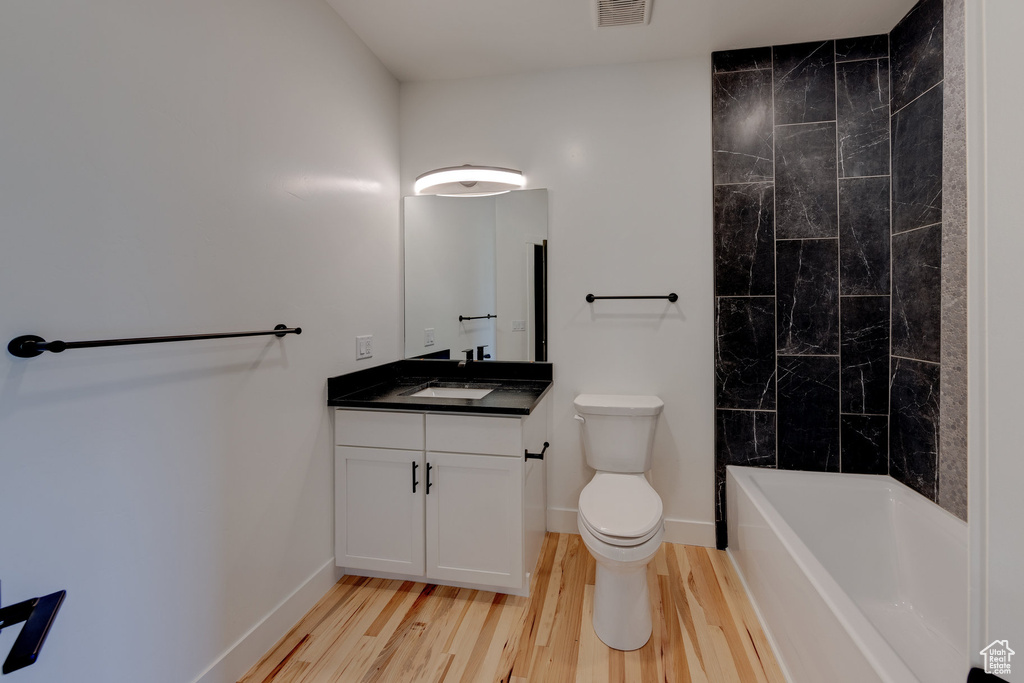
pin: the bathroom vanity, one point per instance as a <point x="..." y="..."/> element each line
<point x="437" y="488"/>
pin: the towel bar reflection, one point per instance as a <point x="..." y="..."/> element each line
<point x="30" y="346"/>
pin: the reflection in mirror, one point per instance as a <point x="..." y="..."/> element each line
<point x="473" y="257"/>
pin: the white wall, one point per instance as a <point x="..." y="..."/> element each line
<point x="995" y="148"/>
<point x="625" y="152"/>
<point x="174" y="167"/>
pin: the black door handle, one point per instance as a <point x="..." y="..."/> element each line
<point x="414" y="482"/>
<point x="429" y="467"/>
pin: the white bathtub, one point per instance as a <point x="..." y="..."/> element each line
<point x="856" y="578"/>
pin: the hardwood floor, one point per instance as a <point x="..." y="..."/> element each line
<point x="372" y="630"/>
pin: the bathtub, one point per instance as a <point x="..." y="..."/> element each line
<point x="856" y="578"/>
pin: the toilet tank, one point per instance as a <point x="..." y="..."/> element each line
<point x="618" y="431"/>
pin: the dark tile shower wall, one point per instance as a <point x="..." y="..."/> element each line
<point x="916" y="45"/>
<point x="828" y="254"/>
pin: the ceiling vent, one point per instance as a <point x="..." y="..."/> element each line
<point x="623" y="12"/>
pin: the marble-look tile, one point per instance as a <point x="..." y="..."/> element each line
<point x="863" y="47"/>
<point x="808" y="413"/>
<point x="865" y="446"/>
<point x="915" y="47"/>
<point x="865" y="354"/>
<point x="741" y="60"/>
<point x="741" y="438"/>
<point x="745" y="353"/>
<point x="742" y="126"/>
<point x="805" y="82"/>
<point x="805" y="187"/>
<point x="864" y="235"/>
<point x="862" y="116"/>
<point x="914" y="425"/>
<point x="917" y="163"/>
<point x="745" y="239"/>
<point x="917" y="294"/>
<point x="807" y="296"/>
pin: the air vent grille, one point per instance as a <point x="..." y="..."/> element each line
<point x="623" y="12"/>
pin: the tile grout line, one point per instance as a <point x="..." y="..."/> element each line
<point x="923" y="227"/>
<point x="918" y="360"/>
<point x="801" y="123"/>
<point x="862" y="59"/>
<point x="898" y="111"/>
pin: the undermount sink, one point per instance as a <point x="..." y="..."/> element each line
<point x="449" y="389"/>
<point x="451" y="392"/>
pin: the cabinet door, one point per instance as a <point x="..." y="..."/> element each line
<point x="475" y="519"/>
<point x="378" y="516"/>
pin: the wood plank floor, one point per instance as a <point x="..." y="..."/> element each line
<point x="373" y="630"/>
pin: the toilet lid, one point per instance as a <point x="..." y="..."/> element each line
<point x="623" y="506"/>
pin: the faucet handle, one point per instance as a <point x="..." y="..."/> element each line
<point x="469" y="353"/>
<point x="480" y="355"/>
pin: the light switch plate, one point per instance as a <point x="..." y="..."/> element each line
<point x="518" y="325"/>
<point x="428" y="336"/>
<point x="364" y="346"/>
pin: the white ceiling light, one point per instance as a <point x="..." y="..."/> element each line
<point x="469" y="181"/>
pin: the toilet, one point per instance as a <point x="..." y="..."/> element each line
<point x="620" y="514"/>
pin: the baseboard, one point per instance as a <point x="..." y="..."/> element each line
<point x="689" y="532"/>
<point x="232" y="664"/>
<point x="684" y="531"/>
<point x="562" y="521"/>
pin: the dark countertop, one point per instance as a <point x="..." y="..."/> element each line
<point x="520" y="386"/>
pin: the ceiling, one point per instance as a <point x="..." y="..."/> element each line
<point x="420" y="40"/>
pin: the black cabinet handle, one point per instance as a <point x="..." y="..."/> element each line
<point x="414" y="482"/>
<point x="429" y="467"/>
<point x="537" y="456"/>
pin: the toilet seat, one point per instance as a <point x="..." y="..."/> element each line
<point x="620" y="509"/>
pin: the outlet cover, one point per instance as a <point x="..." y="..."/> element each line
<point x="364" y="346"/>
<point x="428" y="336"/>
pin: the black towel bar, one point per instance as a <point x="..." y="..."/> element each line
<point x="30" y="346"/>
<point x="673" y="297"/>
<point x="38" y="615"/>
<point x="476" y="317"/>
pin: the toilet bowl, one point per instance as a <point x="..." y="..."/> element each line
<point x="621" y="518"/>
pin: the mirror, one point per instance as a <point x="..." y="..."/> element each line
<point x="476" y="257"/>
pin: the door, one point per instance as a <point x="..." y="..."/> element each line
<point x="475" y="519"/>
<point x="379" y="509"/>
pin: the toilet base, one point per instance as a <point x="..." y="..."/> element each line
<point x="622" y="605"/>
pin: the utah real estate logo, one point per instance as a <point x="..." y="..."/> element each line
<point x="997" y="657"/>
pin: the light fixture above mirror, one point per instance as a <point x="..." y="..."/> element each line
<point x="469" y="181"/>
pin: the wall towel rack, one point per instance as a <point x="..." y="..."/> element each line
<point x="30" y="346"/>
<point x="476" y="317"/>
<point x="673" y="297"/>
<point x="38" y="615"/>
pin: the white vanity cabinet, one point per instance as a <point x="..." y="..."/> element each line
<point x="446" y="498"/>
